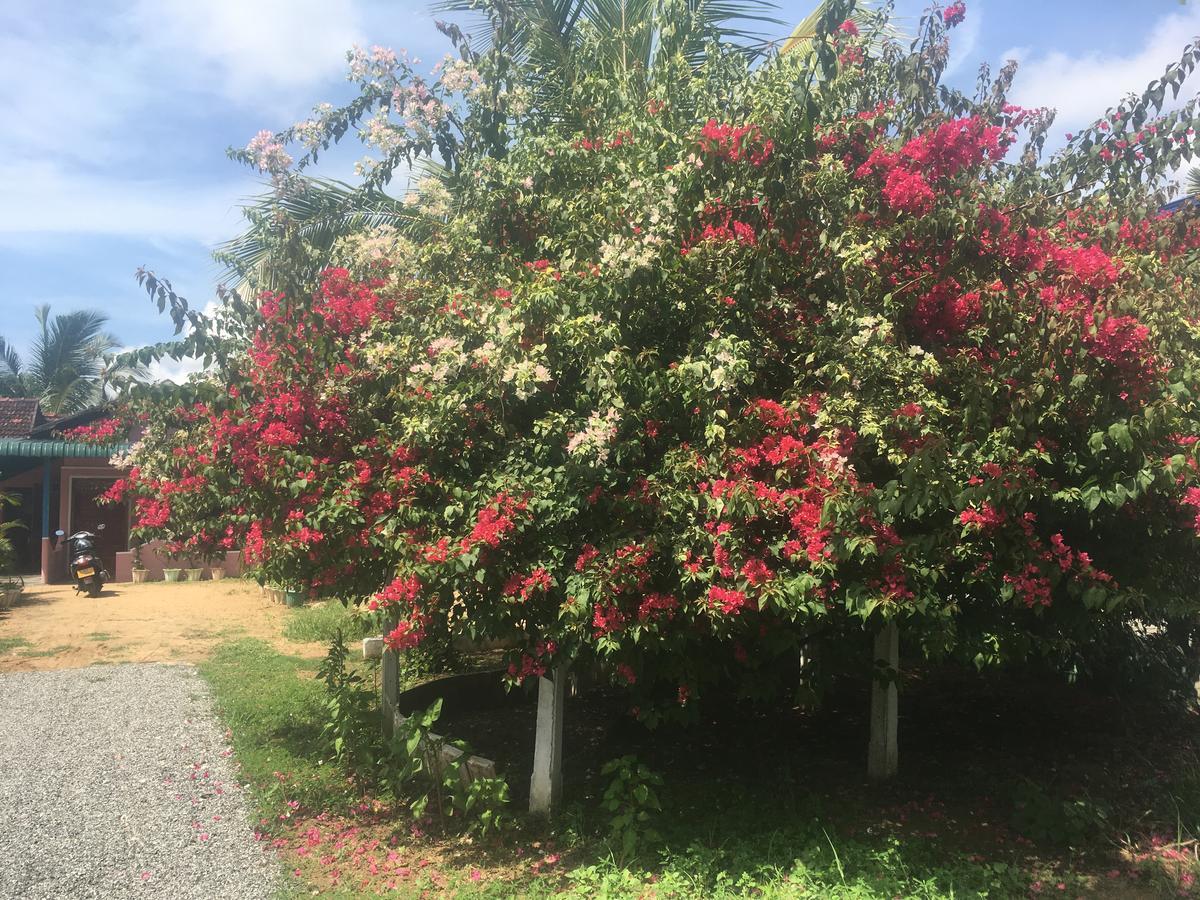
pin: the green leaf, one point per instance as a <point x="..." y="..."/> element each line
<point x="1119" y="432"/>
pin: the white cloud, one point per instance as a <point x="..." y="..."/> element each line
<point x="45" y="197"/>
<point x="167" y="369"/>
<point x="1081" y="87"/>
<point x="965" y="39"/>
<point x="176" y="370"/>
<point x="251" y="48"/>
<point x="102" y="105"/>
<point x="63" y="94"/>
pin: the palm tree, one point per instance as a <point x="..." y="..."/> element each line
<point x="292" y="234"/>
<point x="71" y="364"/>
<point x="803" y="38"/>
<point x="544" y="40"/>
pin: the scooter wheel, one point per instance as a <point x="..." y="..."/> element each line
<point x="95" y="587"/>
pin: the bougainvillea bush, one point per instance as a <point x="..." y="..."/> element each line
<point x="738" y="357"/>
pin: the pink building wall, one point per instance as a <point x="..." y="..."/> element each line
<point x="155" y="559"/>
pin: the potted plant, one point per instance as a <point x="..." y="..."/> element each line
<point x="172" y="571"/>
<point x="194" y="572"/>
<point x="11" y="585"/>
<point x="294" y="596"/>
<point x="10" y="590"/>
<point x="140" y="572"/>
<point x="216" y="567"/>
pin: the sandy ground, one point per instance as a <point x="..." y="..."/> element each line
<point x="51" y="627"/>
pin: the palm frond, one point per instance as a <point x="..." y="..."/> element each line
<point x="804" y="34"/>
<point x="69" y="392"/>
<point x="544" y="36"/>
<point x="517" y="27"/>
<point x="10" y="359"/>
<point x="626" y="28"/>
<point x="297" y="231"/>
<point x="117" y="375"/>
<point x="12" y="375"/>
<point x="730" y="19"/>
<point x="65" y="360"/>
<point x="1193" y="181"/>
<point x="864" y="13"/>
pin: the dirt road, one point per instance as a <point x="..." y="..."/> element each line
<point x="53" y="628"/>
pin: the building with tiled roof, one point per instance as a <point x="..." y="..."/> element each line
<point x="56" y="482"/>
<point x="19" y="416"/>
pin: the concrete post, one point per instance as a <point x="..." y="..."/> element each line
<point x="806" y="693"/>
<point x="389" y="682"/>
<point x="883" y="757"/>
<point x="545" y="787"/>
<point x="47" y="549"/>
<point x="372" y="647"/>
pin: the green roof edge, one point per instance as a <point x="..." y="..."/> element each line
<point x="53" y="449"/>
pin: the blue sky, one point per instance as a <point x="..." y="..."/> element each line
<point x="117" y="114"/>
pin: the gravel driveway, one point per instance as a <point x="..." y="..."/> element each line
<point x="116" y="781"/>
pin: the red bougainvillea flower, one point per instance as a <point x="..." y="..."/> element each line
<point x="833" y="361"/>
<point x="102" y="431"/>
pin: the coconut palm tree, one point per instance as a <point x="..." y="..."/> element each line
<point x="70" y="366"/>
<point x="540" y="38"/>
<point x="291" y="234"/>
<point x="544" y="38"/>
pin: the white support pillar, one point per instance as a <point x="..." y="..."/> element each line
<point x="806" y="681"/>
<point x="389" y="683"/>
<point x="545" y="787"/>
<point x="883" y="757"/>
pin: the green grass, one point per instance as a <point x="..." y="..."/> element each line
<point x="740" y="825"/>
<point x="717" y="845"/>
<point x="808" y="863"/>
<point x="12" y="643"/>
<point x="99" y="636"/>
<point x="208" y="634"/>
<point x="319" y="623"/>
<point x="49" y="651"/>
<point x="273" y="706"/>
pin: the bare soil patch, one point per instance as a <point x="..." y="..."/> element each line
<point x="51" y="627"/>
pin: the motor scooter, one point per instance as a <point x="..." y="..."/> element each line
<point x="86" y="568"/>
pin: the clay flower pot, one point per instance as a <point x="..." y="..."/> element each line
<point x="296" y="597"/>
<point x="172" y="574"/>
<point x="194" y="574"/>
<point x="216" y="573"/>
<point x="141" y="575"/>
